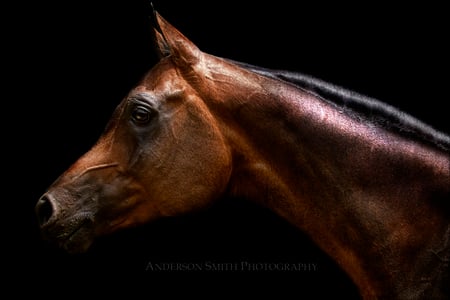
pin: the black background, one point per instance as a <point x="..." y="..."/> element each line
<point x="74" y="61"/>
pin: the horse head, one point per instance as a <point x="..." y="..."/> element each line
<point x="161" y="154"/>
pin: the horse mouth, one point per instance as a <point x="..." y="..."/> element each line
<point x="76" y="241"/>
<point x="76" y="238"/>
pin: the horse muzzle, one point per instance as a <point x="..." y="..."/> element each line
<point x="71" y="232"/>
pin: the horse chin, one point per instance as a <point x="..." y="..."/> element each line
<point x="78" y="241"/>
<point x="74" y="235"/>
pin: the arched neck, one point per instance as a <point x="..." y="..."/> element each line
<point x="369" y="198"/>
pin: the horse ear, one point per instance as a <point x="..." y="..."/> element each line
<point x="162" y="48"/>
<point x="170" y="41"/>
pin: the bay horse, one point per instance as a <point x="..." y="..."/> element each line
<point x="369" y="184"/>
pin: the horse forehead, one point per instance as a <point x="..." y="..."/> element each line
<point x="163" y="74"/>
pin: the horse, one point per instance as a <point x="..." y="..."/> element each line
<point x="368" y="183"/>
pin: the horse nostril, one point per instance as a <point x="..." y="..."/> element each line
<point x="44" y="209"/>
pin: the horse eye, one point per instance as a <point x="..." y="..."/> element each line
<point x="141" y="115"/>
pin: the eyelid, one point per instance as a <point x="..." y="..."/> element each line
<point x="138" y="101"/>
<point x="143" y="99"/>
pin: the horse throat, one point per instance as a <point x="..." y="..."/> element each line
<point x="370" y="199"/>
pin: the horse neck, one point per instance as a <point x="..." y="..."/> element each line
<point x="368" y="197"/>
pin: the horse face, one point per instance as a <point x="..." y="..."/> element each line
<point x="162" y="154"/>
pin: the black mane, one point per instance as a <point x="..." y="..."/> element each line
<point x="359" y="106"/>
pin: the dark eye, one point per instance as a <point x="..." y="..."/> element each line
<point x="141" y="115"/>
